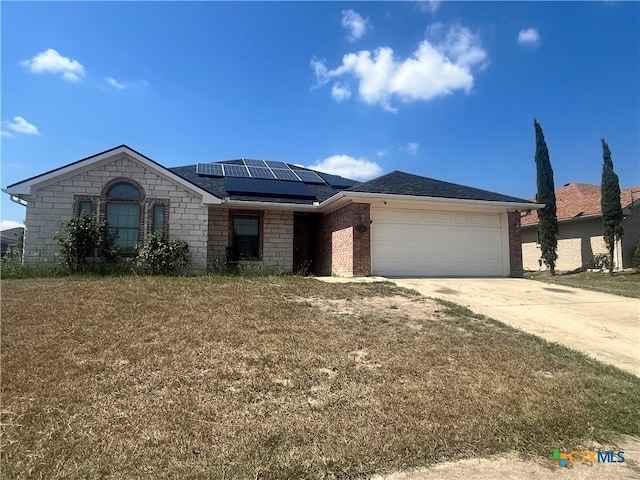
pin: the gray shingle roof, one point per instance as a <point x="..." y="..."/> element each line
<point x="216" y="186"/>
<point x="400" y="183"/>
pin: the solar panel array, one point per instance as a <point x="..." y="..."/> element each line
<point x="267" y="188"/>
<point x="259" y="169"/>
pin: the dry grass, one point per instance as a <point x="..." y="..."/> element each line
<point x="278" y="378"/>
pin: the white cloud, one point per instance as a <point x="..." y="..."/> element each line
<point x="7" y="224"/>
<point x="437" y="68"/>
<point x="4" y="133"/>
<point x="411" y="148"/>
<point x="142" y="84"/>
<point x="320" y="71"/>
<point x="50" y="61"/>
<point x="115" y="84"/>
<point x="429" y="5"/>
<point x="340" y="92"/>
<point x="529" y="37"/>
<point x="348" y="167"/>
<point x="20" y="125"/>
<point x="355" y="24"/>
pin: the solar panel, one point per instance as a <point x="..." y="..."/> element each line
<point x="336" y="181"/>
<point x="271" y="188"/>
<point x="235" y="170"/>
<point x="239" y="185"/>
<point x="309" y="176"/>
<point x="254" y="163"/>
<point x="297" y="190"/>
<point x="272" y="165"/>
<point x="213" y="169"/>
<point x="285" y="174"/>
<point x="260" y="172"/>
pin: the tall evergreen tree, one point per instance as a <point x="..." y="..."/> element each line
<point x="547" y="220"/>
<point x="610" y="202"/>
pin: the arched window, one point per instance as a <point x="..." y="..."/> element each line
<point x="123" y="215"/>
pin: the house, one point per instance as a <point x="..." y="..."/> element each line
<point x="280" y="217"/>
<point x="580" y="228"/>
<point x="10" y="240"/>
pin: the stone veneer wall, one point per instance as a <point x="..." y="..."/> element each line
<point x="578" y="241"/>
<point x="277" y="240"/>
<point x="341" y="248"/>
<point x="54" y="204"/>
<point x="631" y="238"/>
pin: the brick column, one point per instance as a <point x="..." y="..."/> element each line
<point x="515" y="244"/>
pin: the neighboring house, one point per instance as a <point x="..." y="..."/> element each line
<point x="10" y="240"/>
<point x="281" y="217"/>
<point x="580" y="228"/>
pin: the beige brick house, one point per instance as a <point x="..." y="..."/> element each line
<point x="280" y="217"/>
<point x="580" y="228"/>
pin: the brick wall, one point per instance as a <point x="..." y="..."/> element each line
<point x="515" y="244"/>
<point x="342" y="252"/>
<point x="277" y="240"/>
<point x="343" y="242"/>
<point x="54" y="203"/>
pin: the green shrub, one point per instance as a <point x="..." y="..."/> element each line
<point x="161" y="256"/>
<point x="85" y="240"/>
<point x="11" y="266"/>
<point x="599" y="261"/>
<point x="636" y="257"/>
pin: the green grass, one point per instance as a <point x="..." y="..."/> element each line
<point x="12" y="267"/>
<point x="279" y="377"/>
<point x="624" y="284"/>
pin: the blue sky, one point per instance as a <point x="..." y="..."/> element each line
<point x="447" y="90"/>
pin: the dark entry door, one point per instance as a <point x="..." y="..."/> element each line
<point x="302" y="242"/>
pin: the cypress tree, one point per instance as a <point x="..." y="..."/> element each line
<point x="547" y="220"/>
<point x="610" y="203"/>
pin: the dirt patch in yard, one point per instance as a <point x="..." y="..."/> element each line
<point x="409" y="310"/>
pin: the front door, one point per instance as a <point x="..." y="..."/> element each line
<point x="303" y="225"/>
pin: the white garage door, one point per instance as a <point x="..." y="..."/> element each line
<point x="432" y="243"/>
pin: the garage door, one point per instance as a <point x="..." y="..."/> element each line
<point x="433" y="243"/>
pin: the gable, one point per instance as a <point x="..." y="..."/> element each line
<point x="121" y="160"/>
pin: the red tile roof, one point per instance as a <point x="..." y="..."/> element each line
<point x="581" y="200"/>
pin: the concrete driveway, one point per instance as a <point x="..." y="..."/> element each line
<point x="604" y="326"/>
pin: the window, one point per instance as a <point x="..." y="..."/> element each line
<point x="123" y="216"/>
<point x="123" y="190"/>
<point x="85" y="206"/>
<point x="246" y="236"/>
<point x="158" y="217"/>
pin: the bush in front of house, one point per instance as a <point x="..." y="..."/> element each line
<point x="86" y="241"/>
<point x="161" y="256"/>
<point x="599" y="261"/>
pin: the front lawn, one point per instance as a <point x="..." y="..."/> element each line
<point x="279" y="377"/>
<point x="623" y="283"/>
